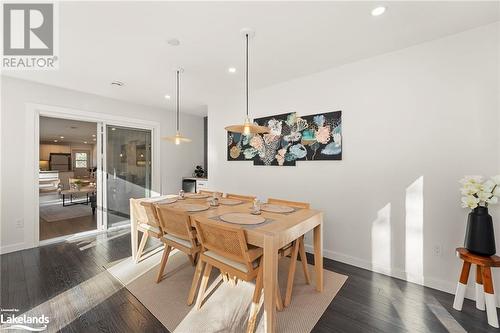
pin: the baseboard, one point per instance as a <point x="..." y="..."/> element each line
<point x="12" y="248"/>
<point x="441" y="285"/>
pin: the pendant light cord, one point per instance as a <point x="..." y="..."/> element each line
<point x="177" y="100"/>
<point x="247" y="70"/>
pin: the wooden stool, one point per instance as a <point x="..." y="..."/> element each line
<point x="483" y="281"/>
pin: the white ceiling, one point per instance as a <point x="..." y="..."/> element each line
<point x="105" y="41"/>
<point x="75" y="132"/>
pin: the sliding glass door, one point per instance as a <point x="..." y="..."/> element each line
<point x="127" y="169"/>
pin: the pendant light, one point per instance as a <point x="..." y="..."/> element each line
<point x="248" y="127"/>
<point x="178" y="138"/>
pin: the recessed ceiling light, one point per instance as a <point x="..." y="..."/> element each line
<point x="93" y="135"/>
<point x="55" y="140"/>
<point x="94" y="139"/>
<point x="117" y="83"/>
<point x="61" y="137"/>
<point x="85" y="142"/>
<point x="231" y="70"/>
<point x="378" y="11"/>
<point x="173" y="42"/>
<point x="167" y="96"/>
<point x="113" y="129"/>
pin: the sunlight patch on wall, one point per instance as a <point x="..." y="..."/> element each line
<point x="414" y="254"/>
<point x="381" y="241"/>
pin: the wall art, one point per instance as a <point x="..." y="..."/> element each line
<point x="291" y="138"/>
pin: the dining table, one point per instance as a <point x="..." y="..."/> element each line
<point x="278" y="230"/>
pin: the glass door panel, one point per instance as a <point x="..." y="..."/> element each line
<point x="128" y="170"/>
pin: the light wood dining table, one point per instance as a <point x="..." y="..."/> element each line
<point x="278" y="231"/>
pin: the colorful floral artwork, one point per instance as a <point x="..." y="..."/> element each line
<point x="291" y="138"/>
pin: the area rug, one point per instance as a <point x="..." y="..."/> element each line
<point x="227" y="308"/>
<point x="56" y="212"/>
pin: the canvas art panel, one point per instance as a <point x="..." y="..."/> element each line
<point x="291" y="138"/>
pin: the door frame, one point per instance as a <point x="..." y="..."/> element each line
<point x="33" y="113"/>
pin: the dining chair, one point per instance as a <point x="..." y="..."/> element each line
<point x="147" y="223"/>
<point x="177" y="233"/>
<point x="294" y="249"/>
<point x="241" y="197"/>
<point x="225" y="248"/>
<point x="211" y="193"/>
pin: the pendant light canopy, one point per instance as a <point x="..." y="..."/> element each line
<point x="177" y="138"/>
<point x="247" y="127"/>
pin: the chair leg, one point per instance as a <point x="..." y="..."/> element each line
<point x="142" y="245"/>
<point x="203" y="285"/>
<point x="164" y="258"/>
<point x="291" y="273"/>
<point x="279" y="300"/>
<point x="196" y="279"/>
<point x="303" y="259"/>
<point x="255" y="307"/>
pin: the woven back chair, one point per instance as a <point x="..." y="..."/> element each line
<point x="211" y="193"/>
<point x="175" y="222"/>
<point x="224" y="240"/>
<point x="295" y="204"/>
<point x="241" y="197"/>
<point x="147" y="223"/>
<point x="225" y="247"/>
<point x="177" y="233"/>
<point x="295" y="249"/>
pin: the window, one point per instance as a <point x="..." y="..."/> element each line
<point x="81" y="160"/>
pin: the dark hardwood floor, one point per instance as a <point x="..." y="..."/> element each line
<point x="54" y="279"/>
<point x="66" y="227"/>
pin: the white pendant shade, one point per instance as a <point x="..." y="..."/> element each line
<point x="247" y="128"/>
<point x="177" y="138"/>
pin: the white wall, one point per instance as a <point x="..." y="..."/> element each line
<point x="414" y="122"/>
<point x="176" y="161"/>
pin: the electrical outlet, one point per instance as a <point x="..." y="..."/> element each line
<point x="438" y="250"/>
<point x="20" y="224"/>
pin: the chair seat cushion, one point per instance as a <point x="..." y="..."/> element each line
<point x="149" y="227"/>
<point x="178" y="240"/>
<point x="238" y="265"/>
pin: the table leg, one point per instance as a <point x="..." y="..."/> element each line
<point x="489" y="297"/>
<point x="64" y="205"/>
<point x="133" y="231"/>
<point x="461" y="286"/>
<point x="479" y="289"/>
<point x="318" y="256"/>
<point x="270" y="278"/>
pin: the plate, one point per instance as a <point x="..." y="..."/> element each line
<point x="242" y="218"/>
<point x="191" y="207"/>
<point x="195" y="195"/>
<point x="276" y="208"/>
<point x="230" y="202"/>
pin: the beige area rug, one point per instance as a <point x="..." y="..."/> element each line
<point x="227" y="308"/>
<point x="56" y="212"/>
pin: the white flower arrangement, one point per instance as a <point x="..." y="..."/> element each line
<point x="477" y="192"/>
